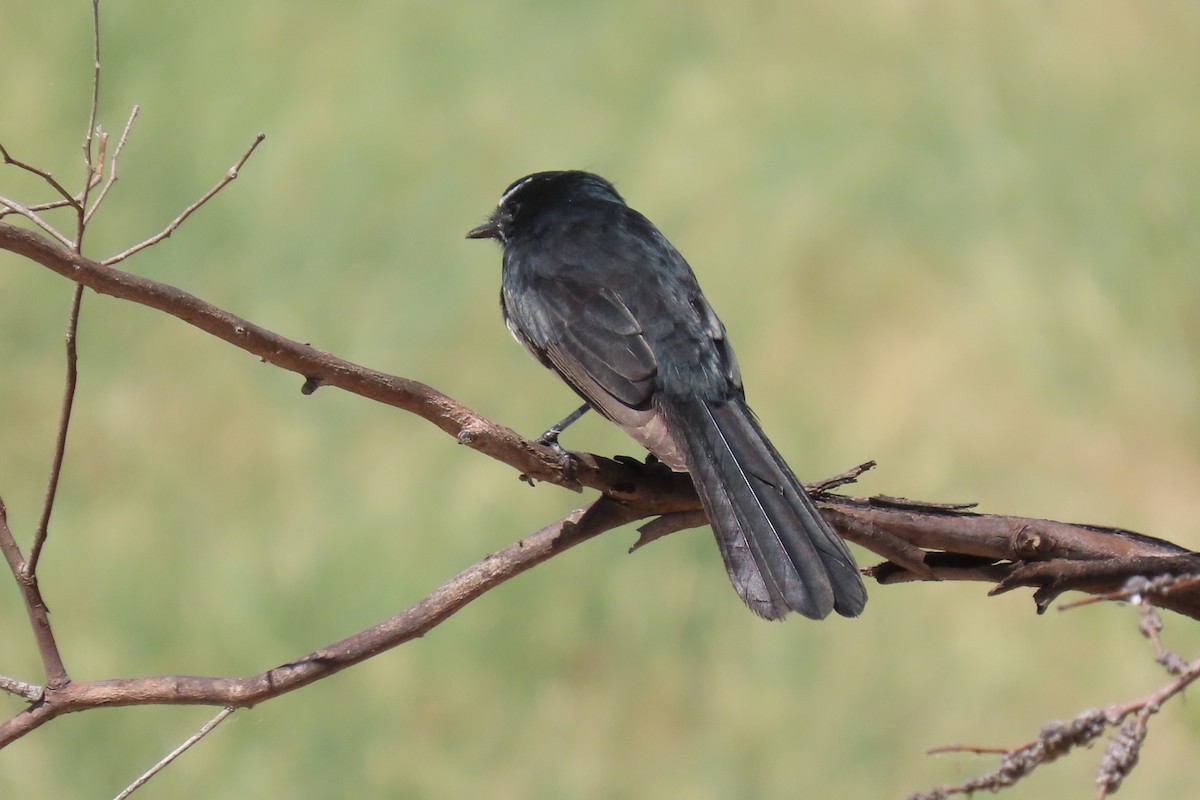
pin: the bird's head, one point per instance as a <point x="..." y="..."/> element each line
<point x="528" y="197"/>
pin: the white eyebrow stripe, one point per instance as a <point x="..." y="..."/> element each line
<point x="504" y="197"/>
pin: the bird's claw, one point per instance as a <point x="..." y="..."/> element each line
<point x="566" y="461"/>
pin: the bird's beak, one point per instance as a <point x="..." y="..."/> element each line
<point x="488" y="230"/>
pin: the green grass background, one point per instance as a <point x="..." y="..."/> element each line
<point x="957" y="238"/>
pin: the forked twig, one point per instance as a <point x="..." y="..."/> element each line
<point x="112" y="168"/>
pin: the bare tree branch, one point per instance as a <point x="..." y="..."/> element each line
<point x="602" y="515"/>
<point x="60" y="443"/>
<point x="35" y="608"/>
<point x="1050" y="556"/>
<point x="319" y="368"/>
<point x="921" y="541"/>
<point x="1010" y="551"/>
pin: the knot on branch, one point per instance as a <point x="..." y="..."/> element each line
<point x="1027" y="543"/>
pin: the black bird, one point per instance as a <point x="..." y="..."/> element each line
<point x="597" y="294"/>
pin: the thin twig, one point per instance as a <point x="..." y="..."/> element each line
<point x="92" y="173"/>
<point x="112" y="170"/>
<point x="1121" y="754"/>
<point x="32" y="216"/>
<point x="30" y="692"/>
<point x="208" y="727"/>
<point x="60" y="444"/>
<point x="48" y="206"/>
<point x="44" y="175"/>
<point x="968" y="748"/>
<point x="187" y="212"/>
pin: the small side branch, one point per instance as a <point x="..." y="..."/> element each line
<point x="229" y="177"/>
<point x="30" y="213"/>
<point x="50" y="180"/>
<point x="112" y="168"/>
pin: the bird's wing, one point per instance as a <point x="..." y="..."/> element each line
<point x="587" y="335"/>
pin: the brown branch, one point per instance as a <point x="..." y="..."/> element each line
<point x="35" y="609"/>
<point x="934" y="542"/>
<point x="319" y="368"/>
<point x="922" y="541"/>
<point x="60" y="443"/>
<point x="1009" y="551"/>
<point x="602" y="515"/>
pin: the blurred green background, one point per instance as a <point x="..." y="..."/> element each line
<point x="957" y="238"/>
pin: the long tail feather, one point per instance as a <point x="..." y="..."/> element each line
<point x="779" y="552"/>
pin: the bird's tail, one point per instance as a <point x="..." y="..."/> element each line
<point x="779" y="552"/>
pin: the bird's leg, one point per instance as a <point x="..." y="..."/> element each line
<point x="550" y="437"/>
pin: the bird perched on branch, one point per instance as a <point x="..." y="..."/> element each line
<point x="598" y="295"/>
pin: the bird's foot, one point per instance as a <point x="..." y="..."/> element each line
<point x="566" y="461"/>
